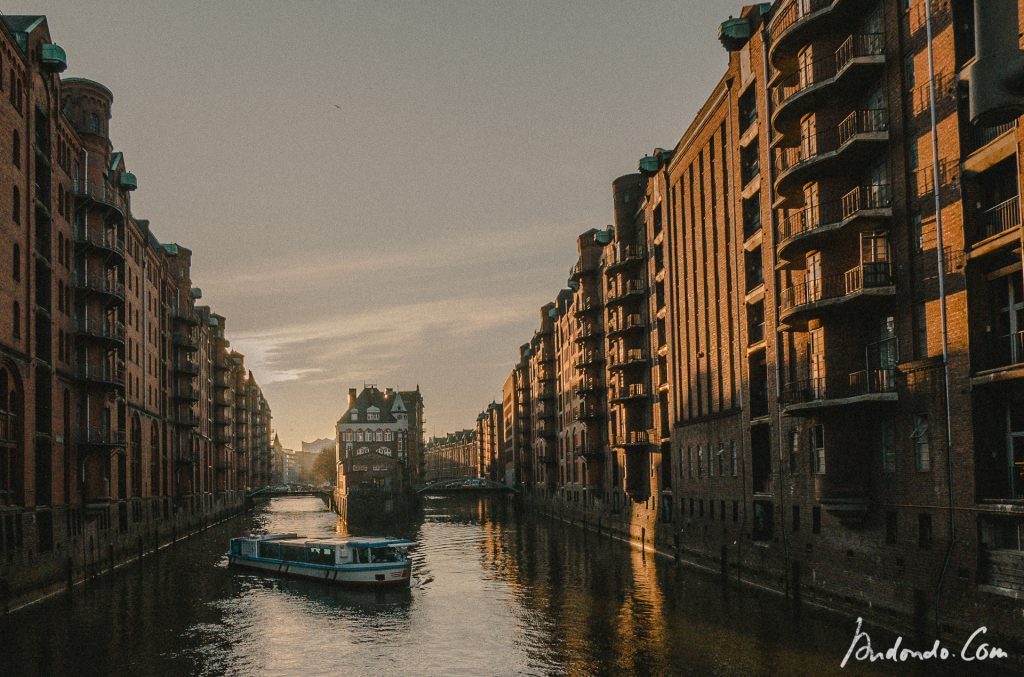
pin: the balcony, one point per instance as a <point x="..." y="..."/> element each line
<point x="99" y="193"/>
<point x="797" y="22"/>
<point x="985" y="147"/>
<point x="187" y="420"/>
<point x="184" y="341"/>
<point x="187" y="394"/>
<point x="105" y="375"/>
<point x="837" y="76"/>
<point x="590" y="358"/>
<point x="999" y="359"/>
<point x="631" y="322"/>
<point x="588" y="413"/>
<point x="53" y="58"/>
<point x="630" y="289"/>
<point x="100" y="239"/>
<point x="992" y="226"/>
<point x="624" y="255"/>
<point x="805" y="229"/>
<point x="546" y="412"/>
<point x="635" y="439"/>
<point x="96" y="283"/>
<point x="586" y="306"/>
<point x="843" y="149"/>
<point x="101" y="328"/>
<point x="185" y="316"/>
<point x="633" y="357"/>
<point x="809" y="396"/>
<point x="184" y="366"/>
<point x="634" y="392"/>
<point x="100" y="438"/>
<point x="587" y="386"/>
<point x="579" y="270"/>
<point x="588" y="332"/>
<point x="809" y="299"/>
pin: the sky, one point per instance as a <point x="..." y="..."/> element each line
<point x="385" y="192"/>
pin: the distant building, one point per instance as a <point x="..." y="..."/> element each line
<point x="451" y="457"/>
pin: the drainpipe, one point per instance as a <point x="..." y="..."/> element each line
<point x="775" y="278"/>
<point x="939" y="250"/>
<point x="736" y="285"/>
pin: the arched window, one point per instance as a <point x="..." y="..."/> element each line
<point x="359" y="436"/>
<point x="16" y="262"/>
<point x="379" y="436"/>
<point x="388" y="435"/>
<point x="11" y="456"/>
<point x="16" y="148"/>
<point x="16" y="205"/>
<point x="16" y="321"/>
<point x="93" y="122"/>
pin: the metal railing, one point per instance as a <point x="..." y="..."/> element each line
<point x="99" y="237"/>
<point x="978" y="137"/>
<point x="791" y="13"/>
<point x="99" y="283"/>
<point x="1002" y="351"/>
<point x="820" y="70"/>
<point x="862" y="198"/>
<point x="632" y="438"/>
<point x="865" y="276"/>
<point x="1000" y="218"/>
<point x="100" y="191"/>
<point x="866" y="382"/>
<point x="812" y="146"/>
<point x="100" y="437"/>
<point x="101" y="328"/>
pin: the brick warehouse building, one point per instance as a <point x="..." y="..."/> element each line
<point x="116" y="427"/>
<point x="755" y="358"/>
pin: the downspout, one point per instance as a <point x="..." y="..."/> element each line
<point x="737" y="223"/>
<point x="939" y="250"/>
<point x="775" y="279"/>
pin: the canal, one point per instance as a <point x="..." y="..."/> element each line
<point x="494" y="593"/>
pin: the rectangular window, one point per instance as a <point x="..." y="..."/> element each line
<point x="711" y="461"/>
<point x="887" y="440"/>
<point x="721" y="509"/>
<point x="735" y="511"/>
<point x="922" y="452"/>
<point x="796" y="518"/>
<point x="689" y="465"/>
<point x="816" y="519"/>
<point x="711" y="507"/>
<point x="700" y="462"/>
<point x="924" y="531"/>
<point x="890" y="528"/>
<point x="735" y="465"/>
<point x="921" y="331"/>
<point x="721" y="460"/>
<point x="794" y="450"/>
<point x="818" y="449"/>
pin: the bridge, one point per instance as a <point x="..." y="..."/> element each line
<point x="464" y="486"/>
<point x="327" y="496"/>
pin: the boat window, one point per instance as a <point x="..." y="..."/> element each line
<point x="386" y="555"/>
<point x="360" y="555"/>
<point x="319" y="554"/>
<point x="236" y="547"/>
<point x="270" y="550"/>
<point x="293" y="553"/>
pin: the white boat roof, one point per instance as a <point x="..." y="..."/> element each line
<point x="352" y="542"/>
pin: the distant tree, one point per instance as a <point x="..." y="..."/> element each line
<point x="323" y="468"/>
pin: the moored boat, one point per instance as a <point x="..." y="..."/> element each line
<point x="370" y="561"/>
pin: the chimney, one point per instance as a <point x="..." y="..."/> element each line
<point x="351" y="397"/>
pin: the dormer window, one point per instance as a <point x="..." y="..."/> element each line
<point x="372" y="416"/>
<point x="355" y="416"/>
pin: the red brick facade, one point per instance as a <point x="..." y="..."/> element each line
<point x="113" y="423"/>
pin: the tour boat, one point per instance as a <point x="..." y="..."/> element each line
<point x="370" y="561"/>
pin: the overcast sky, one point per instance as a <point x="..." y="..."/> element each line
<point x="385" y="192"/>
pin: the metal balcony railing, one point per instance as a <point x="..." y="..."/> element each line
<point x="102" y="238"/>
<point x="791" y="13"/>
<point x="861" y="198"/>
<point x="1006" y="350"/>
<point x="99" y="191"/>
<point x="625" y="253"/>
<point x="1000" y="218"/>
<point x="820" y="389"/>
<point x="99" y="437"/>
<point x="865" y="276"/>
<point x="99" y="283"/>
<point x="978" y="137"/>
<point x="820" y="70"/>
<point x="812" y="146"/>
<point x="112" y="374"/>
<point x="101" y="328"/>
<point x="632" y="438"/>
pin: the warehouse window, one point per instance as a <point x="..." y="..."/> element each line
<point x="16" y="148"/>
<point x="922" y="452"/>
<point x="16" y="324"/>
<point x="818" y="449"/>
<point x="16" y="205"/>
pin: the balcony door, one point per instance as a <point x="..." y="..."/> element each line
<point x="1010" y="321"/>
<point x="874" y="259"/>
<point x="812" y="277"/>
<point x="816" y="362"/>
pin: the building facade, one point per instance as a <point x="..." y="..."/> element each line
<point x="451" y="457"/>
<point x="797" y="356"/>
<point x="108" y="367"/>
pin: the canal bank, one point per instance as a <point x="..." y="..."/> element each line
<point x="88" y="544"/>
<point x="764" y="567"/>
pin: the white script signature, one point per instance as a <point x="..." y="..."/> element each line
<point x="972" y="650"/>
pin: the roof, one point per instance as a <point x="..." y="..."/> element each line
<point x="371" y="399"/>
<point x="23" y="23"/>
<point x="360" y="542"/>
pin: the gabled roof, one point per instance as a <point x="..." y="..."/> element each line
<point x="23" y="23"/>
<point x="370" y="398"/>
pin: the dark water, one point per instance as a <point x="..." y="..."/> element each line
<point x="494" y="593"/>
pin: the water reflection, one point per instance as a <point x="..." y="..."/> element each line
<point x="495" y="591"/>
